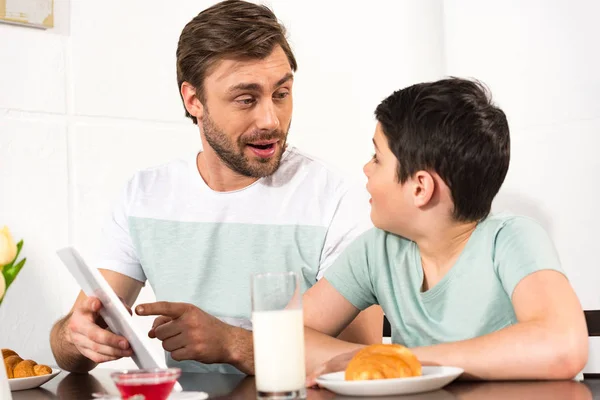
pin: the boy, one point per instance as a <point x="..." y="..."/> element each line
<point x="460" y="287"/>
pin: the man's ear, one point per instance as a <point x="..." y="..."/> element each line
<point x="423" y="188"/>
<point x="192" y="103"/>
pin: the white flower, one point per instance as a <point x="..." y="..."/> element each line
<point x="8" y="248"/>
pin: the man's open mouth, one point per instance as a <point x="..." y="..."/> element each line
<point x="263" y="144"/>
<point x="264" y="148"/>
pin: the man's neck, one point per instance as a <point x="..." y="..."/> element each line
<point x="218" y="176"/>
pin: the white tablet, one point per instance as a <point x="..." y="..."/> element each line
<point x="113" y="311"/>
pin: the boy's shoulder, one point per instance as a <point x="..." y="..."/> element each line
<point x="381" y="241"/>
<point x="506" y="225"/>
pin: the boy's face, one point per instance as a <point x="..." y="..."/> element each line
<point x="390" y="200"/>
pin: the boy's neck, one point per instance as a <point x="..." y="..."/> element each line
<point x="441" y="247"/>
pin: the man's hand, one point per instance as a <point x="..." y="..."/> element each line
<point x="189" y="333"/>
<point x="158" y="322"/>
<point x="336" y="364"/>
<point x="85" y="329"/>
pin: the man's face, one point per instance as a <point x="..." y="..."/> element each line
<point x="248" y="112"/>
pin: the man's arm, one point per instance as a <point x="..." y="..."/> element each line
<point x="78" y="342"/>
<point x="549" y="341"/>
<point x="189" y="333"/>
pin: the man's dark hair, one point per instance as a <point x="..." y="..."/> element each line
<point x="232" y="28"/>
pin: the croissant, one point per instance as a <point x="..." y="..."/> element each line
<point x="7" y="353"/>
<point x="16" y="367"/>
<point x="383" y="361"/>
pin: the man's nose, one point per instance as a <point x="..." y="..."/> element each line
<point x="267" y="118"/>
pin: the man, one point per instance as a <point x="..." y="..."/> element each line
<point x="197" y="229"/>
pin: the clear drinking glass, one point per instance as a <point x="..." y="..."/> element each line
<point x="278" y="330"/>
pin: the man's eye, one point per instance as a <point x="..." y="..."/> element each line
<point x="246" y="101"/>
<point x="281" y="95"/>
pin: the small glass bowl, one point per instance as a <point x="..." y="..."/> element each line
<point x="147" y="384"/>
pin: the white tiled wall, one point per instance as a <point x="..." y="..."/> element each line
<point x="83" y="105"/>
<point x="34" y="202"/>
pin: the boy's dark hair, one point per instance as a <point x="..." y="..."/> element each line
<point x="231" y="28"/>
<point x="450" y="127"/>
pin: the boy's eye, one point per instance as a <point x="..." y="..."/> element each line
<point x="374" y="158"/>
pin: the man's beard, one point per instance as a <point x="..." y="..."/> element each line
<point x="232" y="154"/>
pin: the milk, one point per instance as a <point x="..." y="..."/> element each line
<point x="278" y="350"/>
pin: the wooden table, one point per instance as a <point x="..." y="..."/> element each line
<point x="220" y="386"/>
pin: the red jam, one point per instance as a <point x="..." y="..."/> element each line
<point x="154" y="384"/>
<point x="150" y="391"/>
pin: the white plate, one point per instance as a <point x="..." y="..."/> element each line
<point x="433" y="378"/>
<point x="32" y="382"/>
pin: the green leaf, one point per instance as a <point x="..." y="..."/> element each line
<point x="12" y="262"/>
<point x="19" y="247"/>
<point x="11" y="273"/>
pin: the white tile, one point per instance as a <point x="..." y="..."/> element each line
<point x="553" y="177"/>
<point x="127" y="69"/>
<point x="33" y="203"/>
<point x="539" y="58"/>
<point x="32" y="69"/>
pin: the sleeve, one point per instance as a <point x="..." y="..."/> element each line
<point x="523" y="247"/>
<point x="350" y="274"/>
<point x="352" y="217"/>
<point x="116" y="251"/>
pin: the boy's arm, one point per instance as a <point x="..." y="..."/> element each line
<point x="328" y="310"/>
<point x="367" y="327"/>
<point x="326" y="314"/>
<point x="548" y="342"/>
<point x="350" y="220"/>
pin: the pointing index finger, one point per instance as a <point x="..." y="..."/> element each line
<point x="167" y="308"/>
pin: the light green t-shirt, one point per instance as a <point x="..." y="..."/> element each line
<point x="472" y="299"/>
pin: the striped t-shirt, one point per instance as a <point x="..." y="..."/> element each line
<point x="199" y="246"/>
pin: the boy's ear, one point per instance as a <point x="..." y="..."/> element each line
<point x="423" y="189"/>
<point x="192" y="103"/>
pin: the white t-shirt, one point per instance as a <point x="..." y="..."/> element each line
<point x="199" y="246"/>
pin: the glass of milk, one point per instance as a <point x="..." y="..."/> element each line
<point x="278" y="328"/>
